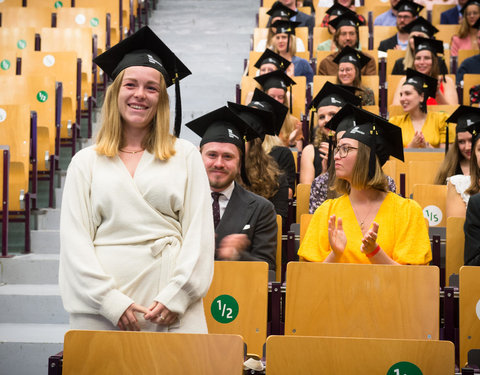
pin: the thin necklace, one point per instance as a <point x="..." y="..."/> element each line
<point x="132" y="152"/>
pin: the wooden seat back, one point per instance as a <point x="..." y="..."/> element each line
<point x="303" y="200"/>
<point x="433" y="200"/>
<point x="17" y="38"/>
<point x="26" y="17"/>
<point x="469" y="311"/>
<point x="362" y="300"/>
<point x="236" y="302"/>
<point x="454" y="259"/>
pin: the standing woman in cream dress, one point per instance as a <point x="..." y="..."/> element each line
<point x="137" y="236"/>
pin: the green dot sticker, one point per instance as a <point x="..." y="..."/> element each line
<point x="3" y="115"/>
<point x="21" y="44"/>
<point x="5" y="64"/>
<point x="94" y="22"/>
<point x="42" y="96"/>
<point x="224" y="309"/>
<point x="58" y="4"/>
<point x="404" y="368"/>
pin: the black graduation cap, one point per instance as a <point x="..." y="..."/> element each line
<point x="270" y="57"/>
<point x="433" y="45"/>
<point x="422" y="25"/>
<point x="337" y="95"/>
<point x="280" y="10"/>
<point x="464" y="116"/>
<point x="383" y="138"/>
<point x="474" y="129"/>
<point x="408" y="6"/>
<point x="337" y="9"/>
<point x="260" y="120"/>
<point x="351" y="55"/>
<point x="469" y="2"/>
<point x="476" y="25"/>
<point x="285" y="27"/>
<point x="345" y="19"/>
<point x="277" y="79"/>
<point x="224" y="126"/>
<point x="263" y="101"/>
<point x="144" y="48"/>
<point x="422" y="82"/>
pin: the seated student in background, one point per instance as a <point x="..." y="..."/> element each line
<point x="470" y="65"/>
<point x="418" y="27"/>
<point x="270" y="61"/>
<point x="350" y="64"/>
<point x="426" y="62"/>
<point x="346" y="34"/>
<point x="467" y="33"/>
<point x="338" y="5"/>
<point x="263" y="172"/>
<point x="460" y="188"/>
<point x="453" y="15"/>
<point x="367" y="224"/>
<point x="283" y="43"/>
<point x="303" y="19"/>
<point x="276" y="84"/>
<point x="333" y="12"/>
<point x="457" y="159"/>
<point x="277" y="12"/>
<point x="407" y="11"/>
<point x="388" y="18"/>
<point x="245" y="223"/>
<point x="472" y="232"/>
<point x="323" y="107"/>
<point x="419" y="128"/>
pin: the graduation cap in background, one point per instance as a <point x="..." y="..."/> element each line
<point x="259" y="120"/>
<point x="337" y="9"/>
<point x="270" y="57"/>
<point x="346" y="19"/>
<point x="476" y="25"/>
<point x="223" y="126"/>
<point x="469" y="2"/>
<point x="422" y="82"/>
<point x="277" y="79"/>
<point x="351" y="55"/>
<point x="144" y="48"/>
<point x="433" y="45"/>
<point x="422" y="25"/>
<point x="464" y="116"/>
<point x="280" y="10"/>
<point x="408" y="6"/>
<point x="266" y="102"/>
<point x="474" y="129"/>
<point x="383" y="138"/>
<point x="285" y="27"/>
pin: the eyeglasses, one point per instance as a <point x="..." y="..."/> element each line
<point x="343" y="150"/>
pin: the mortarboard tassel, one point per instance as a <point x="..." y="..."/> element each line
<point x="291" y="99"/>
<point x="178" y="107"/>
<point x="331" y="144"/>
<point x="373" y="150"/>
<point x="447" y="136"/>
<point x="311" y="135"/>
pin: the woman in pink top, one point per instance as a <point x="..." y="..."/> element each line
<point x="467" y="35"/>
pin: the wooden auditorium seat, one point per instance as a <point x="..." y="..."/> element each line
<point x="320" y="34"/>
<point x="239" y="288"/>
<point x="8" y="62"/>
<point x="465" y="54"/>
<point x="10" y="4"/>
<point x="421" y="172"/>
<point x="469" y="311"/>
<point x="304" y="222"/>
<point x="303" y="200"/>
<point x="427" y="195"/>
<point x="381" y="33"/>
<point x="362" y="300"/>
<point x="319" y="81"/>
<point x="119" y="352"/>
<point x="26" y="17"/>
<point x="454" y="259"/>
<point x="397" y="110"/>
<point x="17" y="38"/>
<point x="445" y="33"/>
<point x="260" y="33"/>
<point x="361" y="356"/>
<point x="53" y="5"/>
<point x="392" y="56"/>
<point x="437" y="10"/>
<point x="469" y="80"/>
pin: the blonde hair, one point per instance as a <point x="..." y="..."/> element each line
<point x="410" y="53"/>
<point x="270" y="142"/>
<point x="292" y="48"/>
<point x="360" y="179"/>
<point x="449" y="164"/>
<point x="158" y="141"/>
<point x="465" y="28"/>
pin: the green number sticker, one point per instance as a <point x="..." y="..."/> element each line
<point x="224" y="309"/>
<point x="404" y="368"/>
<point x="58" y="4"/>
<point x="42" y="96"/>
<point x="5" y="64"/>
<point x="21" y="44"/>
<point x="94" y="22"/>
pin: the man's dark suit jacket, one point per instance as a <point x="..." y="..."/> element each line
<point x="472" y="232"/>
<point x="450" y="17"/>
<point x="389" y="43"/>
<point x="254" y="216"/>
<point x="305" y="20"/>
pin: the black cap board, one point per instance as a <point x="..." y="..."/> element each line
<point x="280" y="10"/>
<point x="433" y="45"/>
<point x="351" y="55"/>
<point x="337" y="95"/>
<point x="422" y="25"/>
<point x="144" y="48"/>
<point x="285" y="27"/>
<point x="263" y="101"/>
<point x="476" y="25"/>
<point x="422" y="82"/>
<point x="474" y="129"/>
<point x="277" y="79"/>
<point x="337" y="9"/>
<point x="270" y="57"/>
<point x="464" y="116"/>
<point x="469" y="2"/>
<point x="259" y="120"/>
<point x="345" y="19"/>
<point x="408" y="6"/>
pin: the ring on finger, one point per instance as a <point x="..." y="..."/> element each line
<point x="161" y="317"/>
